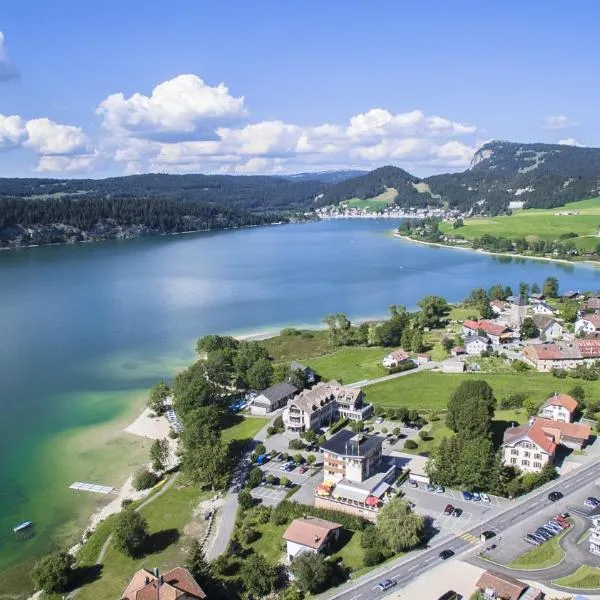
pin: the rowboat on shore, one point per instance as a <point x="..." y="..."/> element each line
<point x="23" y="526"/>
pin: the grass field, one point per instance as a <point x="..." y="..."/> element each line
<point x="541" y="557"/>
<point x="436" y="431"/>
<point x="376" y="203"/>
<point x="538" y="223"/>
<point x="297" y="347"/>
<point x="167" y="516"/>
<point x="351" y="364"/>
<point x="245" y="429"/>
<point x="430" y="391"/>
<point x="585" y="578"/>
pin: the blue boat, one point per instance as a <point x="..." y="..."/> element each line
<point x="23" y="526"/>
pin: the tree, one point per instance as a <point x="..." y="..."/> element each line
<point x="260" y="448"/>
<point x="448" y="343"/>
<point x="284" y="481"/>
<point x="245" y="500"/>
<point x="398" y="528"/>
<point x="158" y="397"/>
<point x="197" y="564"/>
<point x="254" y="477"/>
<point x="257" y="576"/>
<point x="281" y="372"/>
<point x="476" y="467"/>
<point x="529" y="329"/>
<point x="497" y="292"/>
<point x="417" y="341"/>
<point x="471" y="408"/>
<point x="433" y="310"/>
<point x="406" y="338"/>
<point x="298" y="379"/>
<point x="535" y="288"/>
<point x="442" y="467"/>
<point x="159" y="454"/>
<point x="531" y="406"/>
<point x="570" y="311"/>
<point x="485" y="310"/>
<point x="578" y="393"/>
<point x="396" y="431"/>
<point x="550" y="287"/>
<point x="130" y="533"/>
<point x="213" y="343"/>
<point x="207" y="463"/>
<point x="144" y="480"/>
<point x="311" y="572"/>
<point x="191" y="389"/>
<point x="523" y="289"/>
<point x="311" y="459"/>
<point x="260" y="375"/>
<point x="53" y="573"/>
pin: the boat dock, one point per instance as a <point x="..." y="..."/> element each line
<point x="80" y="486"/>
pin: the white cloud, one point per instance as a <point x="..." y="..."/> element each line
<point x="569" y="142"/>
<point x="7" y="69"/>
<point x="558" y="122"/>
<point x="67" y="164"/>
<point x="12" y="131"/>
<point x="182" y="105"/>
<point x="47" y="137"/>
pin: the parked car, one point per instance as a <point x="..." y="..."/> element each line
<point x="554" y="496"/>
<point x="531" y="539"/>
<point x="386" y="584"/>
<point x="467" y="496"/>
<point x="591" y="502"/>
<point x="440" y="489"/>
<point x="539" y="538"/>
<point x="379" y="420"/>
<point x="476" y="496"/>
<point x="413" y="483"/>
<point x="488" y="534"/>
<point x="449" y="509"/>
<point x="430" y="488"/>
<point x="290" y="466"/>
<point x="303" y="469"/>
<point x="484" y="497"/>
<point x="457" y="512"/>
<point x="445" y="554"/>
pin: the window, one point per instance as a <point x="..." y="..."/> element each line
<point x="514" y="452"/>
<point x="513" y="461"/>
<point x="525" y="463"/>
<point x="537" y="465"/>
<point x="537" y="456"/>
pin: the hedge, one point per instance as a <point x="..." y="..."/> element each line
<point x="287" y="511"/>
<point x="339" y="425"/>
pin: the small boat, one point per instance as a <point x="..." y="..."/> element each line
<point x="22" y="526"/>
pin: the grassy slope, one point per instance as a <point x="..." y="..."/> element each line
<point x="245" y="429"/>
<point x="585" y="578"/>
<point x="376" y="203"/>
<point x="430" y="391"/>
<point x="351" y="364"/>
<point x="540" y="223"/>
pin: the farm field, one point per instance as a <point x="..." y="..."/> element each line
<point x="351" y="364"/>
<point x="539" y="223"/>
<point x="374" y="204"/>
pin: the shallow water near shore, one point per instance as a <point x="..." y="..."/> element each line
<point x="86" y="329"/>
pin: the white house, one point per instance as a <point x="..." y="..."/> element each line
<point x="528" y="447"/>
<point x="475" y="345"/>
<point x="273" y="398"/>
<point x="559" y="407"/>
<point x="542" y="308"/>
<point x="594" y="537"/>
<point x="549" y="328"/>
<point x="588" y="323"/>
<point x="309" y="534"/>
<point x="395" y="358"/>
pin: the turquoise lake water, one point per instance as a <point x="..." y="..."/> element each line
<point x="84" y="328"/>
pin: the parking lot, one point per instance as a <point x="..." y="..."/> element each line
<point x="270" y="496"/>
<point x="275" y="468"/>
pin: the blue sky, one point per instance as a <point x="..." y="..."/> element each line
<point x="105" y="88"/>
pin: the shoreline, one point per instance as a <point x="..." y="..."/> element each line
<point x="563" y="261"/>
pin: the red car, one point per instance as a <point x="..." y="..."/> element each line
<point x="302" y="469"/>
<point x="448" y="510"/>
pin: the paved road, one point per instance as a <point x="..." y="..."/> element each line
<point x="229" y="508"/>
<point x="365" y="382"/>
<point x="409" y="567"/>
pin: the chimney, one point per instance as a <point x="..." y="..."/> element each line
<point x="161" y="580"/>
<point x="155" y="571"/>
<point x="146" y="580"/>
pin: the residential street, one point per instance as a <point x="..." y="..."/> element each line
<point x="409" y="567"/>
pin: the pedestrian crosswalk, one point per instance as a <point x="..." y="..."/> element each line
<point x="472" y="539"/>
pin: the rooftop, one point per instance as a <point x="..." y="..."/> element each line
<point x="309" y="531"/>
<point x="534" y="432"/>
<point x="323" y="393"/>
<point x="578" y="431"/>
<point x="348" y="443"/>
<point x="505" y="587"/>
<point x="552" y="351"/>
<point x="542" y="321"/>
<point x="174" y="584"/>
<point x="279" y="391"/>
<point x="487" y="326"/>
<point x="563" y="400"/>
<point x="590" y="346"/>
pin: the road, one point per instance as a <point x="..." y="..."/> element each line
<point x="230" y="504"/>
<point x="406" y="569"/>
<point x="365" y="382"/>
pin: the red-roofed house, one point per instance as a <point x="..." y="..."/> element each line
<point x="588" y="323"/>
<point x="395" y="358"/>
<point x="570" y="435"/>
<point x="309" y="534"/>
<point x="593" y="303"/>
<point x="498" y="306"/>
<point x="560" y="407"/>
<point x="176" y="584"/>
<point x="548" y="356"/>
<point x="498" y="334"/>
<point x="528" y="447"/>
<point x="589" y="347"/>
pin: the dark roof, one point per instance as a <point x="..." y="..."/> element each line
<point x="296" y="366"/>
<point x="348" y="443"/>
<point x="519" y="301"/>
<point x="279" y="391"/>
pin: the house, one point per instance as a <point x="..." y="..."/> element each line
<point x="309" y="534"/>
<point x="176" y="584"/>
<point x="322" y="404"/>
<point x="549" y="328"/>
<point x="528" y="447"/>
<point x="453" y="366"/>
<point x="550" y="355"/>
<point x="533" y="298"/>
<point x="594" y="536"/>
<point x="310" y="375"/>
<point x="571" y="295"/>
<point x="395" y="358"/>
<point x="498" y="334"/>
<point x="560" y="407"/>
<point x="593" y="303"/>
<point x="569" y="435"/>
<point x="475" y="345"/>
<point x="423" y="359"/>
<point x="497" y="586"/>
<point x="497" y="306"/>
<point x="542" y="308"/>
<point x="273" y="398"/>
<point x="589" y="347"/>
<point x="588" y="323"/>
<point x="458" y="350"/>
<point x="356" y="475"/>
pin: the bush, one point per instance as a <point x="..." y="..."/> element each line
<point x="130" y="533"/>
<point x="407" y="366"/>
<point x="290" y="331"/>
<point x="278" y="422"/>
<point x="144" y="480"/>
<point x="339" y="425"/>
<point x="520" y="366"/>
<point x="53" y="573"/>
<point x="254" y="477"/>
<point x="260" y="448"/>
<point x="423" y="435"/>
<point x="225" y="565"/>
<point x="296" y="444"/>
<point x="307" y="335"/>
<point x="272" y="430"/>
<point x="411" y="445"/>
<point x="287" y="511"/>
<point x="372" y="557"/>
<point x="245" y="500"/>
<point x="126" y="502"/>
<point x="173" y="434"/>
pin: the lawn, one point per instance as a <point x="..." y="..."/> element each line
<point x="543" y="556"/>
<point x="307" y="344"/>
<point x="350" y="364"/>
<point x="166" y="516"/>
<point x="585" y="578"/>
<point x="376" y="203"/>
<point x="431" y="391"/>
<point x="245" y="429"/>
<point x="538" y="223"/>
<point x="436" y="430"/>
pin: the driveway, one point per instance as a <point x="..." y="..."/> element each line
<point x="365" y="382"/>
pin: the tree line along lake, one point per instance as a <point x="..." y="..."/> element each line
<point x="87" y="329"/>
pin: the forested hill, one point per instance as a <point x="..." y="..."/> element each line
<point x="65" y="220"/>
<point x="256" y="193"/>
<point x="540" y="175"/>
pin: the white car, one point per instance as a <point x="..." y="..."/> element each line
<point x="379" y="420"/>
<point x="484" y="497"/>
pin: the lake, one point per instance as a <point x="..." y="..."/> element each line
<point x="86" y="329"/>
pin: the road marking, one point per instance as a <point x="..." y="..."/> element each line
<point x="467" y="537"/>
